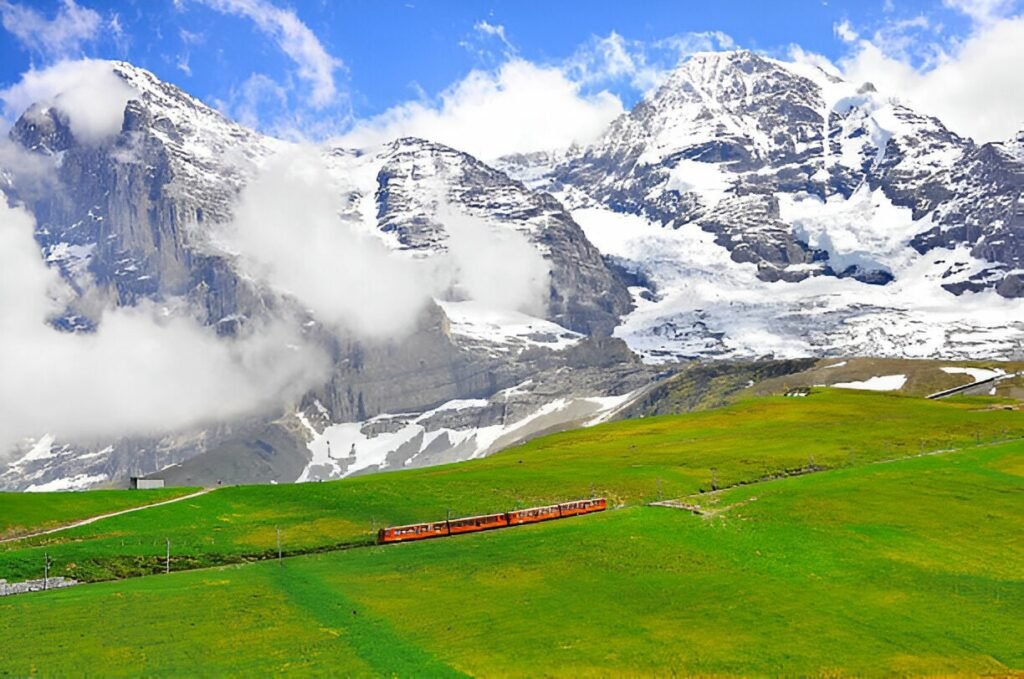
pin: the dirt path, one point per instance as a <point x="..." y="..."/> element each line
<point x="689" y="502"/>
<point x="94" y="519"/>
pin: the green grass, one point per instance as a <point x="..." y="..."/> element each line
<point x="910" y="567"/>
<point x="22" y="513"/>
<point x="627" y="461"/>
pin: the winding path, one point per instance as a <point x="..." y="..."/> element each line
<point x="94" y="519"/>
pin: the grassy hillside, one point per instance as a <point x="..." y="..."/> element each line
<point x="924" y="377"/>
<point x="908" y="567"/>
<point x="629" y="461"/>
<point x="22" y="513"/>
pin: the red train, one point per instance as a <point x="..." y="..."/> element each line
<point x="472" y="524"/>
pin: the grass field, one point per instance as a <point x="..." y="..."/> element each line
<point x="903" y="568"/>
<point x="924" y="377"/>
<point x="22" y="513"/>
<point x="630" y="461"/>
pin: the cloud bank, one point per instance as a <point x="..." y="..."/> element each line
<point x="143" y="371"/>
<point x="288" y="233"/>
<point x="519" y="108"/>
<point x="973" y="85"/>
<point x="87" y="91"/>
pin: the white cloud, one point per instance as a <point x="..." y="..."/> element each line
<point x="250" y="102"/>
<point x="519" y="108"/>
<point x="974" y="85"/>
<point x="315" y="65"/>
<point x="63" y="35"/>
<point x="845" y="31"/>
<point x="286" y="232"/>
<point x="494" y="265"/>
<point x="87" y="91"/>
<point x="142" y="372"/>
<point x="494" y="30"/>
<point x="641" y="65"/>
<point x="982" y="11"/>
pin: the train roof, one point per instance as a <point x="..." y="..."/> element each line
<point x="530" y="509"/>
<point x="478" y="516"/>
<point x="489" y="516"/>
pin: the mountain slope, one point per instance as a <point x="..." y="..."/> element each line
<point x="767" y="207"/>
<point x="137" y="218"/>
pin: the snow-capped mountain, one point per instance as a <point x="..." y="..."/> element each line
<point x="864" y="217"/>
<point x="136" y="218"/>
<point x="748" y="207"/>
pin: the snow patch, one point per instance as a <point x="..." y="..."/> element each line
<point x="978" y="374"/>
<point x="879" y="383"/>
<point x="504" y="330"/>
<point x="707" y="180"/>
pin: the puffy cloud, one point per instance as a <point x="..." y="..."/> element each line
<point x="315" y="65"/>
<point x="522" y="106"/>
<point x="286" y="232"/>
<point x="87" y="91"/>
<point x="973" y="85"/>
<point x="519" y="108"/>
<point x="143" y="371"/>
<point x="494" y="265"/>
<point x="62" y="35"/>
<point x="845" y="32"/>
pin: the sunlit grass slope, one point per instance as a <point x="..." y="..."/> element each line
<point x="22" y="513"/>
<point x="629" y="461"/>
<point x="910" y="567"/>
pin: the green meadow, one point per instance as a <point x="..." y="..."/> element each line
<point x="911" y="567"/>
<point x="631" y="462"/>
<point x="22" y="513"/>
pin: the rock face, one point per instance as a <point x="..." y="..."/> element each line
<point x="418" y="176"/>
<point x="130" y="220"/>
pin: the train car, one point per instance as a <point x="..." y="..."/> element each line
<point x="416" y="531"/>
<point x="597" y="504"/>
<point x="533" y="515"/>
<point x="471" y="524"/>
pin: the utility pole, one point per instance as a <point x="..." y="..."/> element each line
<point x="279" y="545"/>
<point x="46" y="570"/>
<point x="714" y="478"/>
<point x="167" y="559"/>
<point x="448" y="520"/>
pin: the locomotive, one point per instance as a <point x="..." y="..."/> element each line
<point x="472" y="524"/>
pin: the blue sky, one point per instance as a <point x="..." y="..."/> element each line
<point x="349" y="61"/>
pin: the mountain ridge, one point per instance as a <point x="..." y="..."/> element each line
<point x="749" y="207"/>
